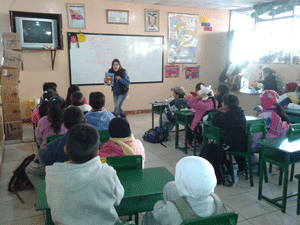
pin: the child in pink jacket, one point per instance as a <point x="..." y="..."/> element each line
<point x="203" y="102"/>
<point x="121" y="141"/>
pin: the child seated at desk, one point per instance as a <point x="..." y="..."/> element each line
<point x="203" y="102"/>
<point x="121" y="141"/>
<point x="277" y="121"/>
<point x="83" y="191"/>
<point x="98" y="116"/>
<point x="289" y="95"/>
<point x="42" y="109"/>
<point x="54" y="151"/>
<point x="190" y="196"/>
<point x="223" y="89"/>
<point x="53" y="123"/>
<point x="77" y="100"/>
<point x="71" y="90"/>
<point x="169" y="113"/>
<point x="232" y="120"/>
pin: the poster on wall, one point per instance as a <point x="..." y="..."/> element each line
<point x="76" y="16"/>
<point x="151" y="20"/>
<point x="172" y="71"/>
<point x="192" y="72"/>
<point x="183" y="38"/>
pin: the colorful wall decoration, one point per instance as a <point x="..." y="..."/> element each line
<point x="192" y="72"/>
<point x="172" y="71"/>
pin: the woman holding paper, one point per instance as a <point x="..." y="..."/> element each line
<point x="120" y="87"/>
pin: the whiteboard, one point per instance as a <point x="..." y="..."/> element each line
<point x="141" y="56"/>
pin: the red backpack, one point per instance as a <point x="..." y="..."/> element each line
<point x="19" y="180"/>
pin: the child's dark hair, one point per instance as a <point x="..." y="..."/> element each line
<point x="56" y="107"/>
<point x="179" y="95"/>
<point x="281" y="113"/>
<point x="72" y="116"/>
<point x="232" y="101"/>
<point x="43" y="107"/>
<point x="82" y="143"/>
<point x="77" y="98"/>
<point x="71" y="90"/>
<point x="223" y="89"/>
<point x="49" y="85"/>
<point x="97" y="100"/>
<point x="198" y="86"/>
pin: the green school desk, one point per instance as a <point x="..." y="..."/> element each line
<point x="294" y="115"/>
<point x="143" y="188"/>
<point x="158" y="108"/>
<point x="185" y="119"/>
<point x="282" y="152"/>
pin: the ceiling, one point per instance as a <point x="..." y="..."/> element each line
<point x="204" y="4"/>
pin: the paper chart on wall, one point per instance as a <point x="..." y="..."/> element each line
<point x="183" y="38"/>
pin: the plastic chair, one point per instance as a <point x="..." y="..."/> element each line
<point x="253" y="126"/>
<point x="293" y="130"/>
<point x="104" y="136"/>
<point x="125" y="162"/>
<point x="53" y="137"/>
<point x="223" y="219"/>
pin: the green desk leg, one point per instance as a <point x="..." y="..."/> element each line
<point x="262" y="161"/>
<point x="160" y="114"/>
<point x="176" y="135"/>
<point x="152" y="117"/>
<point x="186" y="134"/>
<point x="298" y="198"/>
<point x="48" y="217"/>
<point x="136" y="218"/>
<point x="285" y="182"/>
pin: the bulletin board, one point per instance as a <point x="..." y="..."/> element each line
<point x="91" y="55"/>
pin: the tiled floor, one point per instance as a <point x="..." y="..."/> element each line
<point x="240" y="197"/>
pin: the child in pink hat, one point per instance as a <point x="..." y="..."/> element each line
<point x="277" y="121"/>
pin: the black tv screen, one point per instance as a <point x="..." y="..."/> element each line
<point x="37" y="32"/>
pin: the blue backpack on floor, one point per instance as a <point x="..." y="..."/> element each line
<point x="155" y="135"/>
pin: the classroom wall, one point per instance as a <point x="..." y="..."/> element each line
<point x="37" y="64"/>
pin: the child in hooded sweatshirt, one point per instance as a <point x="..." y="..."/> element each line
<point x="203" y="102"/>
<point x="98" y="116"/>
<point x="231" y="119"/>
<point x="83" y="191"/>
<point x="223" y="89"/>
<point x="190" y="196"/>
<point x="121" y="141"/>
<point x="277" y="121"/>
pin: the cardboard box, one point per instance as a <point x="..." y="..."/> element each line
<point x="10" y="94"/>
<point x="11" y="112"/>
<point x="13" y="130"/>
<point x="9" y="76"/>
<point x="12" y="59"/>
<point x="11" y="41"/>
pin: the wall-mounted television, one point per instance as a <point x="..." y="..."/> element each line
<point x="35" y="33"/>
<point x="37" y="30"/>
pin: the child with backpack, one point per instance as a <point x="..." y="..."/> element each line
<point x="84" y="191"/>
<point x="121" y="141"/>
<point x="53" y="123"/>
<point x="190" y="196"/>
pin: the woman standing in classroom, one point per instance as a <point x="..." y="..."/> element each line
<point x="120" y="87"/>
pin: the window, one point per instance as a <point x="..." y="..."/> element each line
<point x="269" y="34"/>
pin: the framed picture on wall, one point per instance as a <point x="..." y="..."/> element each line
<point x="117" y="16"/>
<point x="151" y="20"/>
<point x="76" y="16"/>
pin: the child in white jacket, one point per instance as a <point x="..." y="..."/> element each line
<point x="190" y="196"/>
<point x="83" y="191"/>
